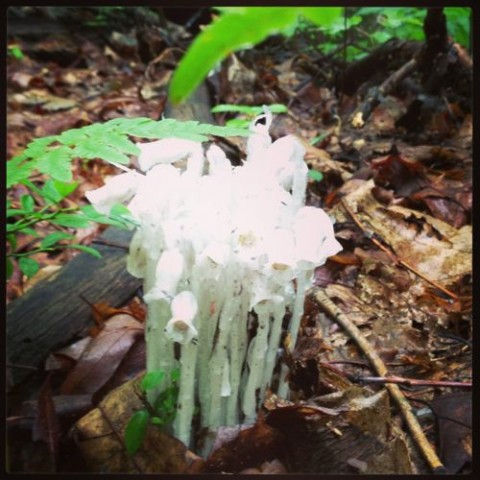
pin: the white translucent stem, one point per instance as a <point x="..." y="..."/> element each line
<point x="186" y="398"/>
<point x="160" y="353"/>
<point x="238" y="352"/>
<point x="263" y="310"/>
<point x="273" y="343"/>
<point x="302" y="285"/>
<point x="209" y="322"/>
<point x="219" y="357"/>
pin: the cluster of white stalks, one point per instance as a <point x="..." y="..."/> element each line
<point x="214" y="244"/>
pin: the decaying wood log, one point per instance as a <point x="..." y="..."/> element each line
<point x="52" y="313"/>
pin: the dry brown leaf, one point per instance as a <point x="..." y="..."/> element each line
<point x="100" y="434"/>
<point x="359" y="433"/>
<point x="103" y="355"/>
<point x="436" y="249"/>
<point x="47" y="426"/>
<point x="250" y="448"/>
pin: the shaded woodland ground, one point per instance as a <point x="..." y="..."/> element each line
<point x="393" y="141"/>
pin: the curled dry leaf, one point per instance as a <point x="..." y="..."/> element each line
<point x="103" y="355"/>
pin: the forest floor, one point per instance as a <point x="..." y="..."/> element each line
<point x="397" y="178"/>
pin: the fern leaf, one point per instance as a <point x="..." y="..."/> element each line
<point x="18" y="169"/>
<point x="56" y="163"/>
<point x="72" y="137"/>
<point x="122" y="143"/>
<point x="92" y="148"/>
<point x="38" y="147"/>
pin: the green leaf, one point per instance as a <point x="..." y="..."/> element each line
<point x="55" y="190"/>
<point x="175" y="375"/>
<point x="92" y="215"/>
<point x="61" y="189"/>
<point x="38" y="147"/>
<point x="370" y="10"/>
<point x="12" y="212"/>
<point x="231" y="31"/>
<point x="152" y="380"/>
<point x="57" y="163"/>
<point x="123" y="215"/>
<point x="122" y="143"/>
<point x="28" y="266"/>
<point x="93" y="148"/>
<point x="73" y="136"/>
<point x="54" y="238"/>
<point x="71" y="220"/>
<point x="238" y="123"/>
<point x="322" y="16"/>
<point x="12" y="240"/>
<point x="30" y="231"/>
<point x="252" y="110"/>
<point x="136" y="430"/>
<point x="9" y="267"/>
<point x="86" y="249"/>
<point x="18" y="169"/>
<point x="380" y="36"/>
<point x="157" y="421"/>
<point x="315" y="175"/>
<point x="16" y="52"/>
<point x="28" y="203"/>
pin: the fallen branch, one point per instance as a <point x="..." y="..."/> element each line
<point x="419" y="437"/>
<point x="412" y="382"/>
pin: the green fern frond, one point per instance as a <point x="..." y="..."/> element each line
<point x="108" y="141"/>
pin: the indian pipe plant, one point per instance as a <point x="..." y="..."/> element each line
<point x="223" y="252"/>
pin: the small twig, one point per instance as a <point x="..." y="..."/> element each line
<point x="394" y="258"/>
<point x="417" y="433"/>
<point x="410" y="382"/>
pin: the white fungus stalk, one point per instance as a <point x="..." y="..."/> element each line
<point x="220" y="250"/>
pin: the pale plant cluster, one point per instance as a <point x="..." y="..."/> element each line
<point x="214" y="244"/>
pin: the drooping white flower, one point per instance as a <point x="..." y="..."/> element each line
<point x="168" y="272"/>
<point x="180" y="331"/>
<point x="259" y="139"/>
<point x="314" y="238"/>
<point x="285" y="160"/>
<point x="167" y="150"/>
<point x="218" y="163"/>
<point x="117" y="189"/>
<point x="184" y="305"/>
<point x="180" y="327"/>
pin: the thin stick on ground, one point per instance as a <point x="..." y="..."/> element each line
<point x="394" y="258"/>
<point x="419" y="437"/>
<point x="413" y="382"/>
